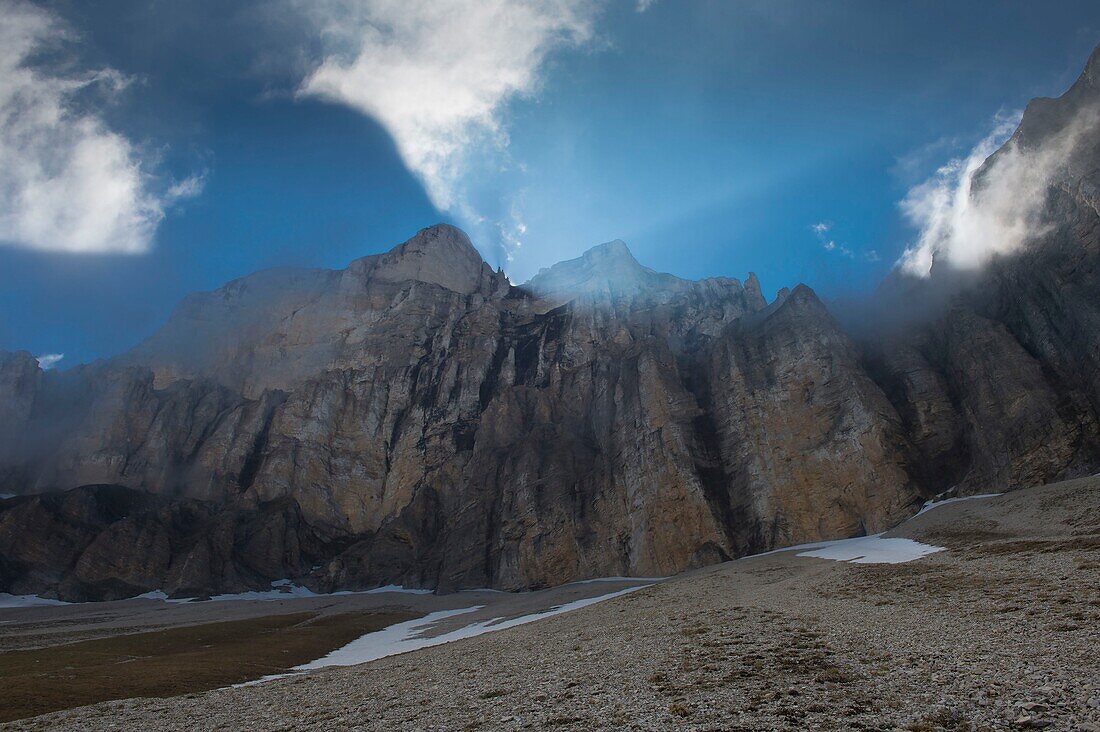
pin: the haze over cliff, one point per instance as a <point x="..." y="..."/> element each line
<point x="416" y="419"/>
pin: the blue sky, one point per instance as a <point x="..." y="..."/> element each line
<point x="711" y="136"/>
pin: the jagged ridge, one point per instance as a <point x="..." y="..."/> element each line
<point x="421" y="421"/>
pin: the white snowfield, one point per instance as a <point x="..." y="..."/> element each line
<point x="409" y="636"/>
<point x="876" y="549"/>
<point x="283" y="589"/>
<point x="7" y="600"/>
<point x="929" y="505"/>
<point x="618" y="579"/>
<point x="399" y="588"/>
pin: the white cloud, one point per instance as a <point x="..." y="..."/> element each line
<point x="67" y="181"/>
<point x="511" y="232"/>
<point x="438" y="74"/>
<point x="643" y="5"/>
<point x="821" y="230"/>
<point x="967" y="227"/>
<point x="189" y="187"/>
<point x="48" y="360"/>
<point x="914" y="166"/>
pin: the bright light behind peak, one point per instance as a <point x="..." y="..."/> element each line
<point x="439" y="75"/>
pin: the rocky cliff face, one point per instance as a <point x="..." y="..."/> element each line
<point x="998" y="382"/>
<point x="416" y="419"/>
<point x="432" y="425"/>
<point x="103" y="542"/>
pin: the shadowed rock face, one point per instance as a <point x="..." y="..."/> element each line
<point x="416" y="419"/>
<point x="999" y="385"/>
<point x="426" y="423"/>
<point x="105" y="542"/>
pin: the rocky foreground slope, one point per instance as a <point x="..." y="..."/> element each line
<point x="416" y="419"/>
<point x="997" y="632"/>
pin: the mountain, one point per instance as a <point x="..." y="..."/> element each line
<point x="425" y="423"/>
<point x="997" y="378"/>
<point x="416" y="419"/>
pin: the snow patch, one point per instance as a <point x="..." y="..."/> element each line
<point x="619" y="579"/>
<point x="409" y="636"/>
<point x="283" y="589"/>
<point x="399" y="638"/>
<point x="405" y="637"/>
<point x="569" y="584"/>
<point x="7" y="601"/>
<point x="929" y="505"/>
<point x="399" y="588"/>
<point x="875" y="549"/>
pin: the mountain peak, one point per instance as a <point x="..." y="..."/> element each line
<point x="607" y="269"/>
<point x="440" y="240"/>
<point x="441" y="254"/>
<point x="615" y="249"/>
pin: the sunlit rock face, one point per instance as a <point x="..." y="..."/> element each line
<point x="416" y="419"/>
<point x="437" y="426"/>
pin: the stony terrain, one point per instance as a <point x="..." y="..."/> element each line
<point x="998" y="632"/>
<point x="55" y="657"/>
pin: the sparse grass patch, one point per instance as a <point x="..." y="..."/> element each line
<point x="942" y="719"/>
<point x="679" y="709"/>
<point x="834" y="675"/>
<point x="172" y="662"/>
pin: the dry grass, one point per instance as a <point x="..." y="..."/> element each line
<point x="172" y="662"/>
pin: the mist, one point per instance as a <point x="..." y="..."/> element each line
<point x="991" y="201"/>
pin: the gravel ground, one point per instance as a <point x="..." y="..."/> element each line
<point x="998" y="632"/>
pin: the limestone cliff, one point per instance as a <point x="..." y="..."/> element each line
<point x="416" y="419"/>
<point x="432" y="425"/>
